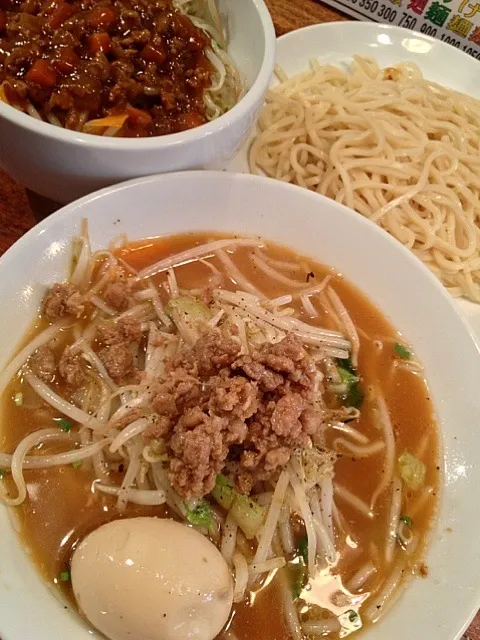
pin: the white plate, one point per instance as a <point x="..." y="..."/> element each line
<point x="438" y="607"/>
<point x="337" y="42"/>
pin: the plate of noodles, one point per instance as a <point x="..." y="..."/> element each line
<point x="251" y="418"/>
<point x="386" y="121"/>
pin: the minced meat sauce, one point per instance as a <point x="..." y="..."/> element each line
<point x="80" y="61"/>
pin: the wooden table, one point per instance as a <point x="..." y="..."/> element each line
<point x="20" y="210"/>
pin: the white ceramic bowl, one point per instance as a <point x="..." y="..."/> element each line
<point x="437" y="607"/>
<point x="65" y="165"/>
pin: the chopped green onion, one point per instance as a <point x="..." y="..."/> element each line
<point x="354" y="396"/>
<point x="65" y="425"/>
<point x="77" y="463"/>
<point x="18" y="399"/>
<point x="201" y="515"/>
<point x="352" y="616"/>
<point x="65" y="576"/>
<point x="346" y="363"/>
<point x="401" y="351"/>
<point x="303" y="548"/>
<point x="407" y="520"/>
<point x="299" y="572"/>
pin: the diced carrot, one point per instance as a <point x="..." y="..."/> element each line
<point x="154" y="53"/>
<point x="41" y="72"/>
<point x="101" y="17"/>
<point x="193" y="119"/>
<point x="99" y="125"/>
<point x="99" y="42"/>
<point x="60" y="14"/>
<point x="67" y="61"/>
<point x="138" y="117"/>
<point x="3" y="21"/>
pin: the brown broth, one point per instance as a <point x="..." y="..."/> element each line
<point x="62" y="508"/>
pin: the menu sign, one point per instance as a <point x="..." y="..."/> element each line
<point x="456" y="22"/>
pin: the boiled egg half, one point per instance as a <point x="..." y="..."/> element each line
<point x="152" y="579"/>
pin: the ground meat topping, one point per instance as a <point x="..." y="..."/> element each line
<point x="43" y="364"/>
<point x="218" y="409"/>
<point x="63" y="299"/>
<point x="117" y="295"/>
<point x="124" y="331"/>
<point x="71" y="369"/>
<point x="118" y="360"/>
<point x="214" y="350"/>
<point x="116" y="353"/>
<point x="141" y="61"/>
<point x="200" y="452"/>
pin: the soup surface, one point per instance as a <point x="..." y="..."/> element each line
<point x="373" y="492"/>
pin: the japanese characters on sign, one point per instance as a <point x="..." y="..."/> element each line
<point x="456" y="22"/>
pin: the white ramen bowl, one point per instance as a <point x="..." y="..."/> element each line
<point x="439" y="606"/>
<point x="64" y="165"/>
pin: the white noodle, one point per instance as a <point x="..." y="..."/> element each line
<point x="130" y="431"/>
<point x="361" y="576"/>
<point x="17" y="461"/>
<point x="241" y="576"/>
<point x="350" y="329"/>
<point x="145" y="497"/>
<point x="229" y="538"/>
<point x="286" y="536"/>
<point x="308" y="333"/>
<point x="308" y="307"/>
<point x="195" y="253"/>
<point x="400" y="150"/>
<point x="271" y="564"/>
<point x="58" y="459"/>
<point x="267" y="533"/>
<point x="393" y="519"/>
<point x="382" y="602"/>
<point x="389" y="461"/>
<point x="321" y="627"/>
<point x="308" y="519"/>
<point x="275" y="275"/>
<point x="353" y="500"/>
<point x="79" y="274"/>
<point x="359" y="451"/>
<point x="19" y="360"/>
<point x="235" y="275"/>
<point x="326" y="505"/>
<point x="100" y="304"/>
<point x="325" y="544"/>
<point x="349" y="430"/>
<point x="172" y="283"/>
<point x="290" y="612"/>
<point x="60" y="404"/>
<point x="134" y="452"/>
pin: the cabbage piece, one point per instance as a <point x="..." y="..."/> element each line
<point x="223" y="492"/>
<point x="412" y="470"/>
<point x="248" y="514"/>
<point x="188" y="314"/>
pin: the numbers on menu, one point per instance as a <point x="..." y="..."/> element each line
<point x="431" y="19"/>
